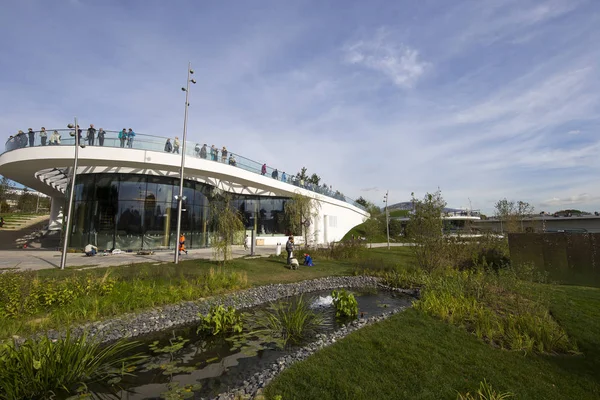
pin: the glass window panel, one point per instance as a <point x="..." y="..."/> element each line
<point x="132" y="187"/>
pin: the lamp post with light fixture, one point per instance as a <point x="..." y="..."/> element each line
<point x="63" y="257"/>
<point x="180" y="198"/>
<point x="387" y="218"/>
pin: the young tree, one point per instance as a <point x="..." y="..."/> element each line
<point x="425" y="228"/>
<point x="372" y="227"/>
<point x="511" y="214"/>
<point x="27" y="201"/>
<point x="299" y="212"/>
<point x="363" y="202"/>
<point x="302" y="174"/>
<point x="315" y="179"/>
<point x="227" y="227"/>
<point x="5" y="187"/>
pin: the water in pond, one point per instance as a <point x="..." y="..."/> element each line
<point x="213" y="366"/>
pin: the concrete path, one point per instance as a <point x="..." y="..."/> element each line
<point x="31" y="259"/>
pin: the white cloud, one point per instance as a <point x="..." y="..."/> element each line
<point x="397" y="61"/>
<point x="574" y="132"/>
<point x="583" y="198"/>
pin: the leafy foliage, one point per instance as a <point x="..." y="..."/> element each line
<point x="511" y="214"/>
<point x="492" y="307"/>
<point x="298" y="211"/>
<point x="22" y="293"/>
<point x="425" y="228"/>
<point x="227" y="228"/>
<point x="221" y="320"/>
<point x="345" y="304"/>
<point x="43" y="368"/>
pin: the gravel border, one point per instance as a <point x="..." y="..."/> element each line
<point x="161" y="318"/>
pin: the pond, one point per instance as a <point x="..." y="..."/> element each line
<point x="214" y="364"/>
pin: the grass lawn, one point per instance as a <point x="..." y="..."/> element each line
<point x="147" y="285"/>
<point x="414" y="356"/>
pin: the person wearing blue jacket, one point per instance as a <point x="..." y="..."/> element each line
<point x="123" y="137"/>
<point x="308" y="260"/>
<point x="130" y="136"/>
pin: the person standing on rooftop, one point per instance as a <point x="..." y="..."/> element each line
<point x="101" y="134"/>
<point x="43" y="136"/>
<point x="283" y="177"/>
<point x="213" y="153"/>
<point x="31" y="135"/>
<point x="91" y="134"/>
<point x="168" y="146"/>
<point x="176" y="145"/>
<point x="263" y="170"/>
<point x="203" y="151"/>
<point x="123" y="136"/>
<point x="130" y="137"/>
<point x="224" y="155"/>
<point x="21" y="139"/>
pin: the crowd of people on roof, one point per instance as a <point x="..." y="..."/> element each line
<point x="126" y="137"/>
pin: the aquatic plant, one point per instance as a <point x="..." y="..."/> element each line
<point x="42" y="368"/>
<point x="345" y="304"/>
<point x="221" y="320"/>
<point x="289" y="321"/>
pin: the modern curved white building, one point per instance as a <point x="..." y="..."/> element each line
<point x="124" y="197"/>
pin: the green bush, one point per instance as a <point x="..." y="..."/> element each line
<point x="221" y="320"/>
<point x="22" y="293"/>
<point x="43" y="368"/>
<point x="491" y="307"/>
<point x="345" y="304"/>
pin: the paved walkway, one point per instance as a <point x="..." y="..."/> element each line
<point x="43" y="259"/>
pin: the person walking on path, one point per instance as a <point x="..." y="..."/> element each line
<point x="176" y="145"/>
<point x="263" y="170"/>
<point x="203" y="151"/>
<point x="43" y="136"/>
<point x="31" y="135"/>
<point x="91" y="134"/>
<point x="182" y="244"/>
<point x="101" y="134"/>
<point x="168" y="146"/>
<point x="289" y="247"/>
<point x="123" y="137"/>
<point x="130" y="137"/>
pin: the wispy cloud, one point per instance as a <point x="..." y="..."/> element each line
<point x="583" y="198"/>
<point x="383" y="54"/>
<point x="486" y="99"/>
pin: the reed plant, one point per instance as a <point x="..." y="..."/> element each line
<point x="289" y="321"/>
<point x="485" y="392"/>
<point x="42" y="368"/>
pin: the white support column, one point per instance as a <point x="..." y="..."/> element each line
<point x="325" y="227"/>
<point x="57" y="206"/>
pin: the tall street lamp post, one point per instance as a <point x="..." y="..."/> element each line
<point x="180" y="196"/>
<point x="63" y="257"/>
<point x="387" y="219"/>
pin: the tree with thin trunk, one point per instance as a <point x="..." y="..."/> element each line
<point x="425" y="227"/>
<point x="300" y="210"/>
<point x="227" y="227"/>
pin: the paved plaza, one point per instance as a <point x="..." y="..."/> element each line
<point x="32" y="259"/>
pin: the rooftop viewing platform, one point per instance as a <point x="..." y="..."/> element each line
<point x="137" y="141"/>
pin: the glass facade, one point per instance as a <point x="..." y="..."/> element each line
<point x="130" y="211"/>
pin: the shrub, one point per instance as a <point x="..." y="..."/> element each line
<point x="345" y="304"/>
<point x="42" y="368"/>
<point x="22" y="293"/>
<point x="221" y="320"/>
<point x="490" y="307"/>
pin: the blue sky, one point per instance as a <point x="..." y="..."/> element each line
<point x="485" y="99"/>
